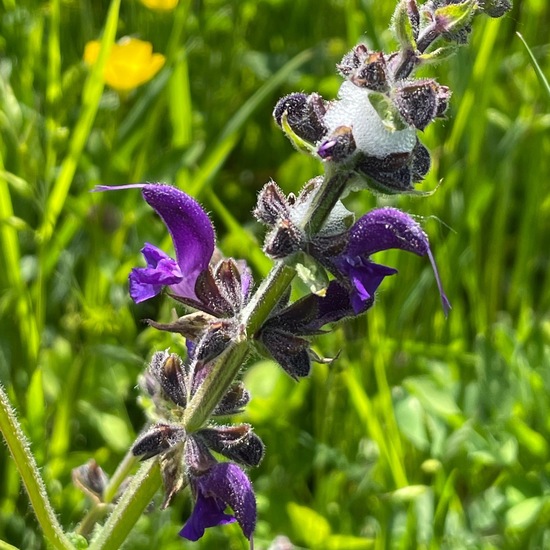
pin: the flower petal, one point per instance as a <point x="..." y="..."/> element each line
<point x="208" y="512"/>
<point x="387" y="228"/>
<point x="161" y="270"/>
<point x="365" y="277"/>
<point x="190" y="228"/>
<point x="225" y="484"/>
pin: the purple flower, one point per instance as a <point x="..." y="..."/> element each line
<point x="380" y="229"/>
<point x="223" y="485"/>
<point x="193" y="237"/>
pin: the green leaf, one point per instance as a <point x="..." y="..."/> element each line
<point x="432" y="397"/>
<point x="410" y="419"/>
<point x="454" y="17"/>
<point x="536" y="66"/>
<point x="402" y="27"/>
<point x="309" y="526"/>
<point x="387" y="111"/>
<point x="525" y="513"/>
<point x="312" y="274"/>
<point x="438" y="55"/>
<point x="347" y="542"/>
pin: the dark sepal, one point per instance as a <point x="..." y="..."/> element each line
<point x="215" y="340"/>
<point x="390" y="175"/>
<point x="158" y="439"/>
<point x="91" y="479"/>
<point x="238" y="443"/>
<point x="372" y="73"/>
<point x="272" y="204"/>
<point x="169" y="371"/>
<point x="229" y="282"/>
<point x="285" y="239"/>
<point x="234" y="400"/>
<point x="304" y="115"/>
<point x="208" y="293"/>
<point x="291" y="352"/>
<point x="338" y="146"/>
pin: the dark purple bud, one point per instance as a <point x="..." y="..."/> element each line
<point x="91" y="479"/>
<point x="352" y="60"/>
<point x="420" y="164"/>
<point x="291" y="352"/>
<point x="338" y="146"/>
<point x="210" y="296"/>
<point x="390" y="175"/>
<point x="372" y="73"/>
<point x="158" y="439"/>
<point x="419" y="102"/>
<point x="229" y="281"/>
<point x="284" y="240"/>
<point x="215" y="340"/>
<point x="414" y="16"/>
<point x="495" y="8"/>
<point x="168" y="371"/>
<point x="222" y="485"/>
<point x="234" y="400"/>
<point x="304" y="115"/>
<point x="238" y="443"/>
<point x="272" y="204"/>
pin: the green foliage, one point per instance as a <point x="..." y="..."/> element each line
<point x="426" y="432"/>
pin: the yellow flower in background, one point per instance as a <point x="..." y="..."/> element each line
<point x="164" y="5"/>
<point x="131" y="63"/>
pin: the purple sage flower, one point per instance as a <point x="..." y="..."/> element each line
<point x="193" y="237"/>
<point x="223" y="485"/>
<point x="380" y="229"/>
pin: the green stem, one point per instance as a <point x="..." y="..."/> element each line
<point x="229" y="365"/>
<point x="226" y="369"/>
<point x="129" y="508"/>
<point x="28" y="470"/>
<point x="324" y="201"/>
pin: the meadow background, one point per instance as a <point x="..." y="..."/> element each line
<point x="426" y="432"/>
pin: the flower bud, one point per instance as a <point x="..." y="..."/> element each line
<point x="233" y="401"/>
<point x="272" y="204"/>
<point x="91" y="479"/>
<point x="284" y="240"/>
<point x="495" y="8"/>
<point x="158" y="439"/>
<point x="168" y="371"/>
<point x="420" y="101"/>
<point x="372" y="73"/>
<point x="338" y="146"/>
<point x="304" y="115"/>
<point x="238" y="443"/>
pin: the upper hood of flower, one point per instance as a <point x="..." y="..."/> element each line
<point x="193" y="237"/>
<point x="382" y="229"/>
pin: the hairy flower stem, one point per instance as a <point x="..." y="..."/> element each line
<point x="324" y="201"/>
<point x="260" y="306"/>
<point x="230" y="363"/>
<point x="28" y="470"/>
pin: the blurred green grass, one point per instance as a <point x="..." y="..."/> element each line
<point x="426" y="433"/>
